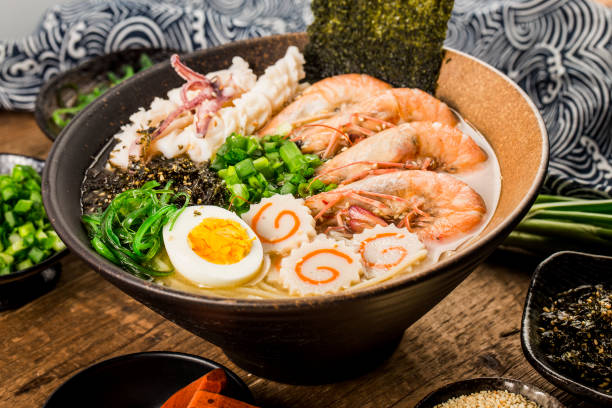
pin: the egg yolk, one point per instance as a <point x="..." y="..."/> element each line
<point x="220" y="241"/>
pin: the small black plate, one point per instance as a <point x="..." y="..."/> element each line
<point x="86" y="76"/>
<point x="560" y="272"/>
<point x="20" y="287"/>
<point x="473" y="385"/>
<point x="141" y="380"/>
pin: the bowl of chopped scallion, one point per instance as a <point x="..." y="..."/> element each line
<point x="65" y="95"/>
<point x="29" y="247"/>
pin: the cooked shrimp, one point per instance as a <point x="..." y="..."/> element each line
<point x="415" y="145"/>
<point x="324" y="97"/>
<point x="387" y="109"/>
<point x="437" y="206"/>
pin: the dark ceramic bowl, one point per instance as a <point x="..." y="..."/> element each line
<point x="20" y="287"/>
<point x="560" y="272"/>
<point x="466" y="387"/>
<point x="85" y="77"/>
<point x="144" y="380"/>
<point x="313" y="339"/>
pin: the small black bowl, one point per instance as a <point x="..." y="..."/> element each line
<point x="86" y="76"/>
<point x="560" y="272"/>
<point x="140" y="380"/>
<point x="473" y="385"/>
<point x="20" y="287"/>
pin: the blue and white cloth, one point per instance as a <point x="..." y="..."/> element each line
<point x="559" y="51"/>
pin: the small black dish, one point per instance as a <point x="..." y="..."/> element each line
<point x="560" y="272"/>
<point x="20" y="287"/>
<point x="86" y="76"/>
<point x="466" y="387"/>
<point x="144" y="380"/>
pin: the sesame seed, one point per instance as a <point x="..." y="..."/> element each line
<point x="489" y="399"/>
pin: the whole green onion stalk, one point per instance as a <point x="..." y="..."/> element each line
<point x="557" y="223"/>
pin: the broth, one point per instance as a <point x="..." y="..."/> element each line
<point x="401" y="220"/>
<point x="486" y="181"/>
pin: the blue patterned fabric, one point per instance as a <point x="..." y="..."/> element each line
<point x="559" y="51"/>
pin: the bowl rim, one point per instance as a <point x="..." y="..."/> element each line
<point x="46" y="263"/>
<point x="51" y="197"/>
<point x="173" y="355"/>
<point x="90" y="63"/>
<point x="484" y="381"/>
<point x="545" y="369"/>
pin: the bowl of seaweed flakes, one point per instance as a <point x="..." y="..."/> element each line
<point x="567" y="324"/>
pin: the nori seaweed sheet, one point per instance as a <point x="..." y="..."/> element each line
<point x="398" y="41"/>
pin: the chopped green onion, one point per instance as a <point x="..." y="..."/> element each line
<point x="218" y="163"/>
<point x="222" y="173"/>
<point x="240" y="190"/>
<point x="330" y="187"/>
<point x="288" y="188"/>
<point x="261" y="164"/>
<point x="264" y="167"/>
<point x="23" y="206"/>
<point x="313" y="160"/>
<point x="273" y="156"/>
<point x="269" y="147"/>
<point x="10" y="219"/>
<point x="26" y="229"/>
<point x="25" y="264"/>
<point x="144" y="61"/>
<point x="8" y="193"/>
<point x="232" y="176"/>
<point x="303" y="190"/>
<point x="253" y="146"/>
<point x="254" y="182"/>
<point x="6" y="259"/>
<point x="317" y="185"/>
<point x="237" y="141"/>
<point x="245" y="168"/>
<point x="36" y="255"/>
<point x="29" y="240"/>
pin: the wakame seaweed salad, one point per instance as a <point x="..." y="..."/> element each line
<point x="398" y="41"/>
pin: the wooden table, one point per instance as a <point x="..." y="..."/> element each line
<point x="473" y="332"/>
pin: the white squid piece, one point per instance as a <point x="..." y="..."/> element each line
<point x="180" y="137"/>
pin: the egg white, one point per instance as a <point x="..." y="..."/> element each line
<point x="198" y="270"/>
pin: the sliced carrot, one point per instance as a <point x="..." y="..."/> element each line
<point x="206" y="399"/>
<point x="214" y="381"/>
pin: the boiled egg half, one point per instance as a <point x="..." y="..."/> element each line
<point x="213" y="247"/>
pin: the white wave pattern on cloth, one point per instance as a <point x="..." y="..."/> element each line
<point x="559" y="51"/>
<point x="74" y="32"/>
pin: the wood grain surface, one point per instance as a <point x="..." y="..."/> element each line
<point x="473" y="332"/>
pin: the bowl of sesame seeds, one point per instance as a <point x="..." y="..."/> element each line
<point x="494" y="392"/>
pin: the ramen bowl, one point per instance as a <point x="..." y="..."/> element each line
<point x="323" y="338"/>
